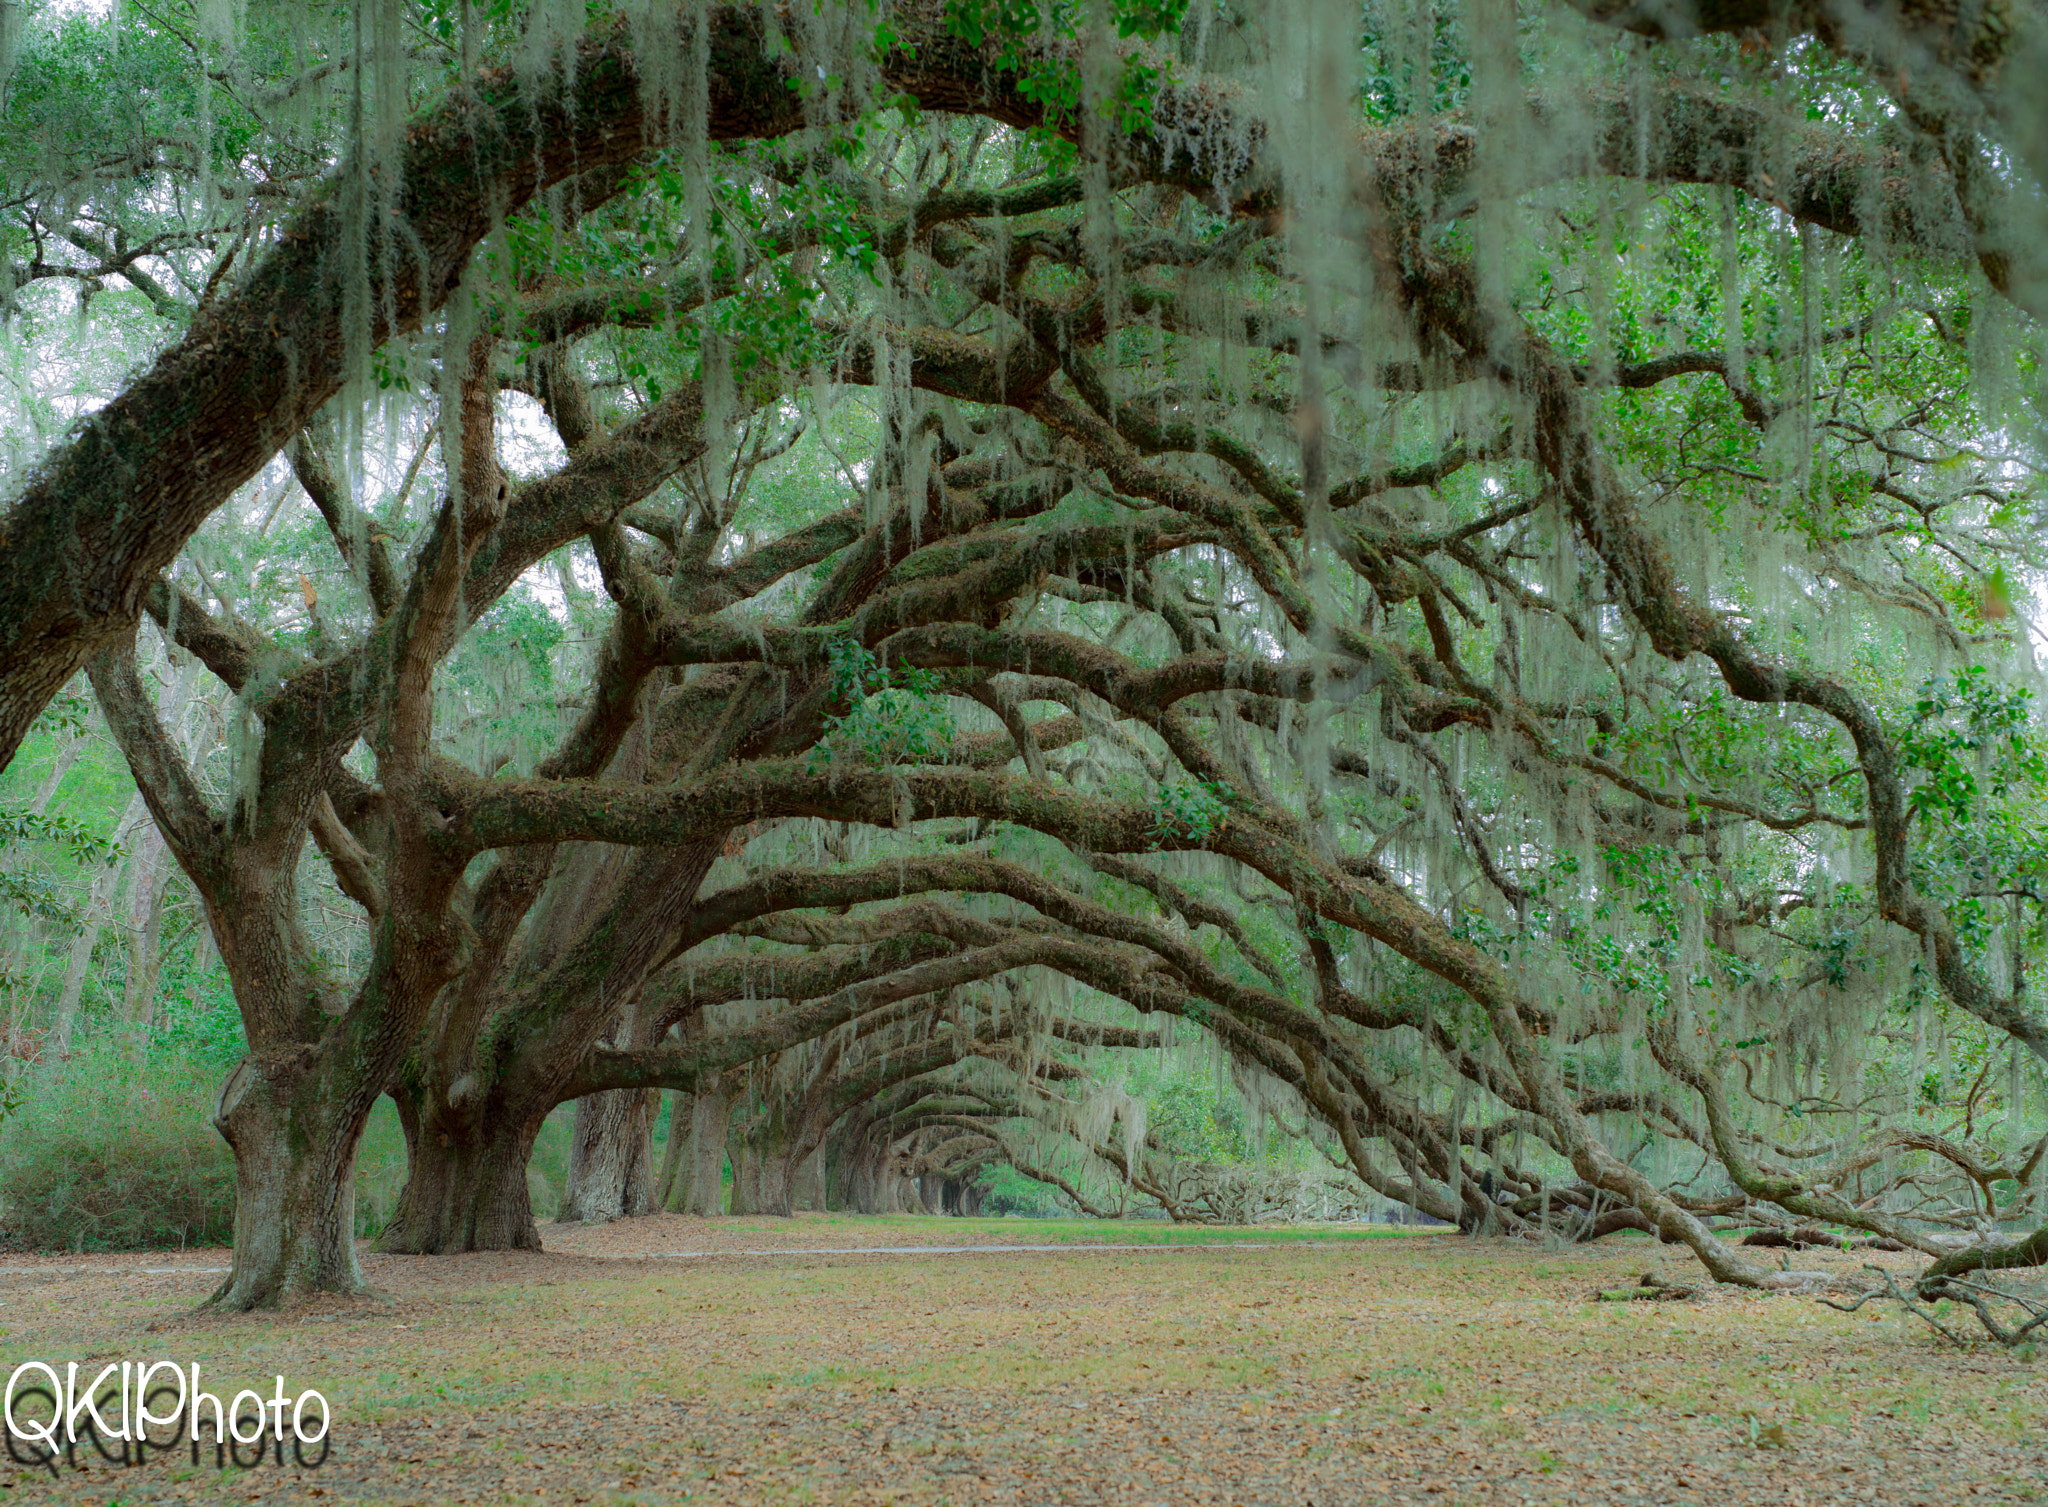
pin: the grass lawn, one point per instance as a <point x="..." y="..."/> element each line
<point x="1265" y="1365"/>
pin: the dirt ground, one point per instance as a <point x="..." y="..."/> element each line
<point x="759" y="1361"/>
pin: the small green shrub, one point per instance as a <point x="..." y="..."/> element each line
<point x="107" y="1153"/>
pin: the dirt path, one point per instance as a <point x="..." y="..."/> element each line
<point x="1412" y="1369"/>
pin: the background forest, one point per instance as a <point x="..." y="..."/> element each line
<point x="1013" y="606"/>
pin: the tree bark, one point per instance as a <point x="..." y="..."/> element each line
<point x="766" y="1149"/>
<point x="901" y="1195"/>
<point x="746" y="1175"/>
<point x="294" y="1139"/>
<point x="760" y="1180"/>
<point x="871" y="1182"/>
<point x="672" y="1186"/>
<point x="611" y="1157"/>
<point x="708" y="1116"/>
<point x="807" y="1182"/>
<point x="465" y="1186"/>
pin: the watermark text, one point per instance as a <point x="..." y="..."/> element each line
<point x="133" y="1409"/>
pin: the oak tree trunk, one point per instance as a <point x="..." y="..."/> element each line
<point x="766" y="1182"/>
<point x="745" y="1178"/>
<point x="807" y="1182"/>
<point x="708" y="1116"/>
<point x="295" y="1143"/>
<point x="465" y="1186"/>
<point x="868" y="1180"/>
<point x="672" y="1184"/>
<point x="611" y="1157"/>
<point x="763" y="1158"/>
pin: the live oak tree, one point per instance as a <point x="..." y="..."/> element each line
<point x="254" y="366"/>
<point x="1480" y="562"/>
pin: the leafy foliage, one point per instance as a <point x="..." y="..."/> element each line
<point x="894" y="716"/>
<point x="1976" y="716"/>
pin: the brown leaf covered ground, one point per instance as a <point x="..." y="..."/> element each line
<point x="1239" y="1367"/>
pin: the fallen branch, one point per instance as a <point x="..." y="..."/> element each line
<point x="1978" y="1297"/>
<point x="1650" y="1288"/>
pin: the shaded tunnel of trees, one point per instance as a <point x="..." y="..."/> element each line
<point x="856" y="567"/>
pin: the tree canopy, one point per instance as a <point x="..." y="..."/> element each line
<point x="859" y="561"/>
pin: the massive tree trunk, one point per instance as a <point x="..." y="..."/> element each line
<point x="611" y="1157"/>
<point x="768" y="1148"/>
<point x="874" y="1185"/>
<point x="294" y="1135"/>
<point x="611" y="1151"/>
<point x="760" y="1179"/>
<point x="465" y="1186"/>
<point x="488" y="1098"/>
<point x="807" y="1182"/>
<point x="709" y="1113"/>
<point x="760" y="1173"/>
<point x="901" y="1195"/>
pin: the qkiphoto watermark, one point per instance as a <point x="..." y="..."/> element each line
<point x="134" y="1412"/>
